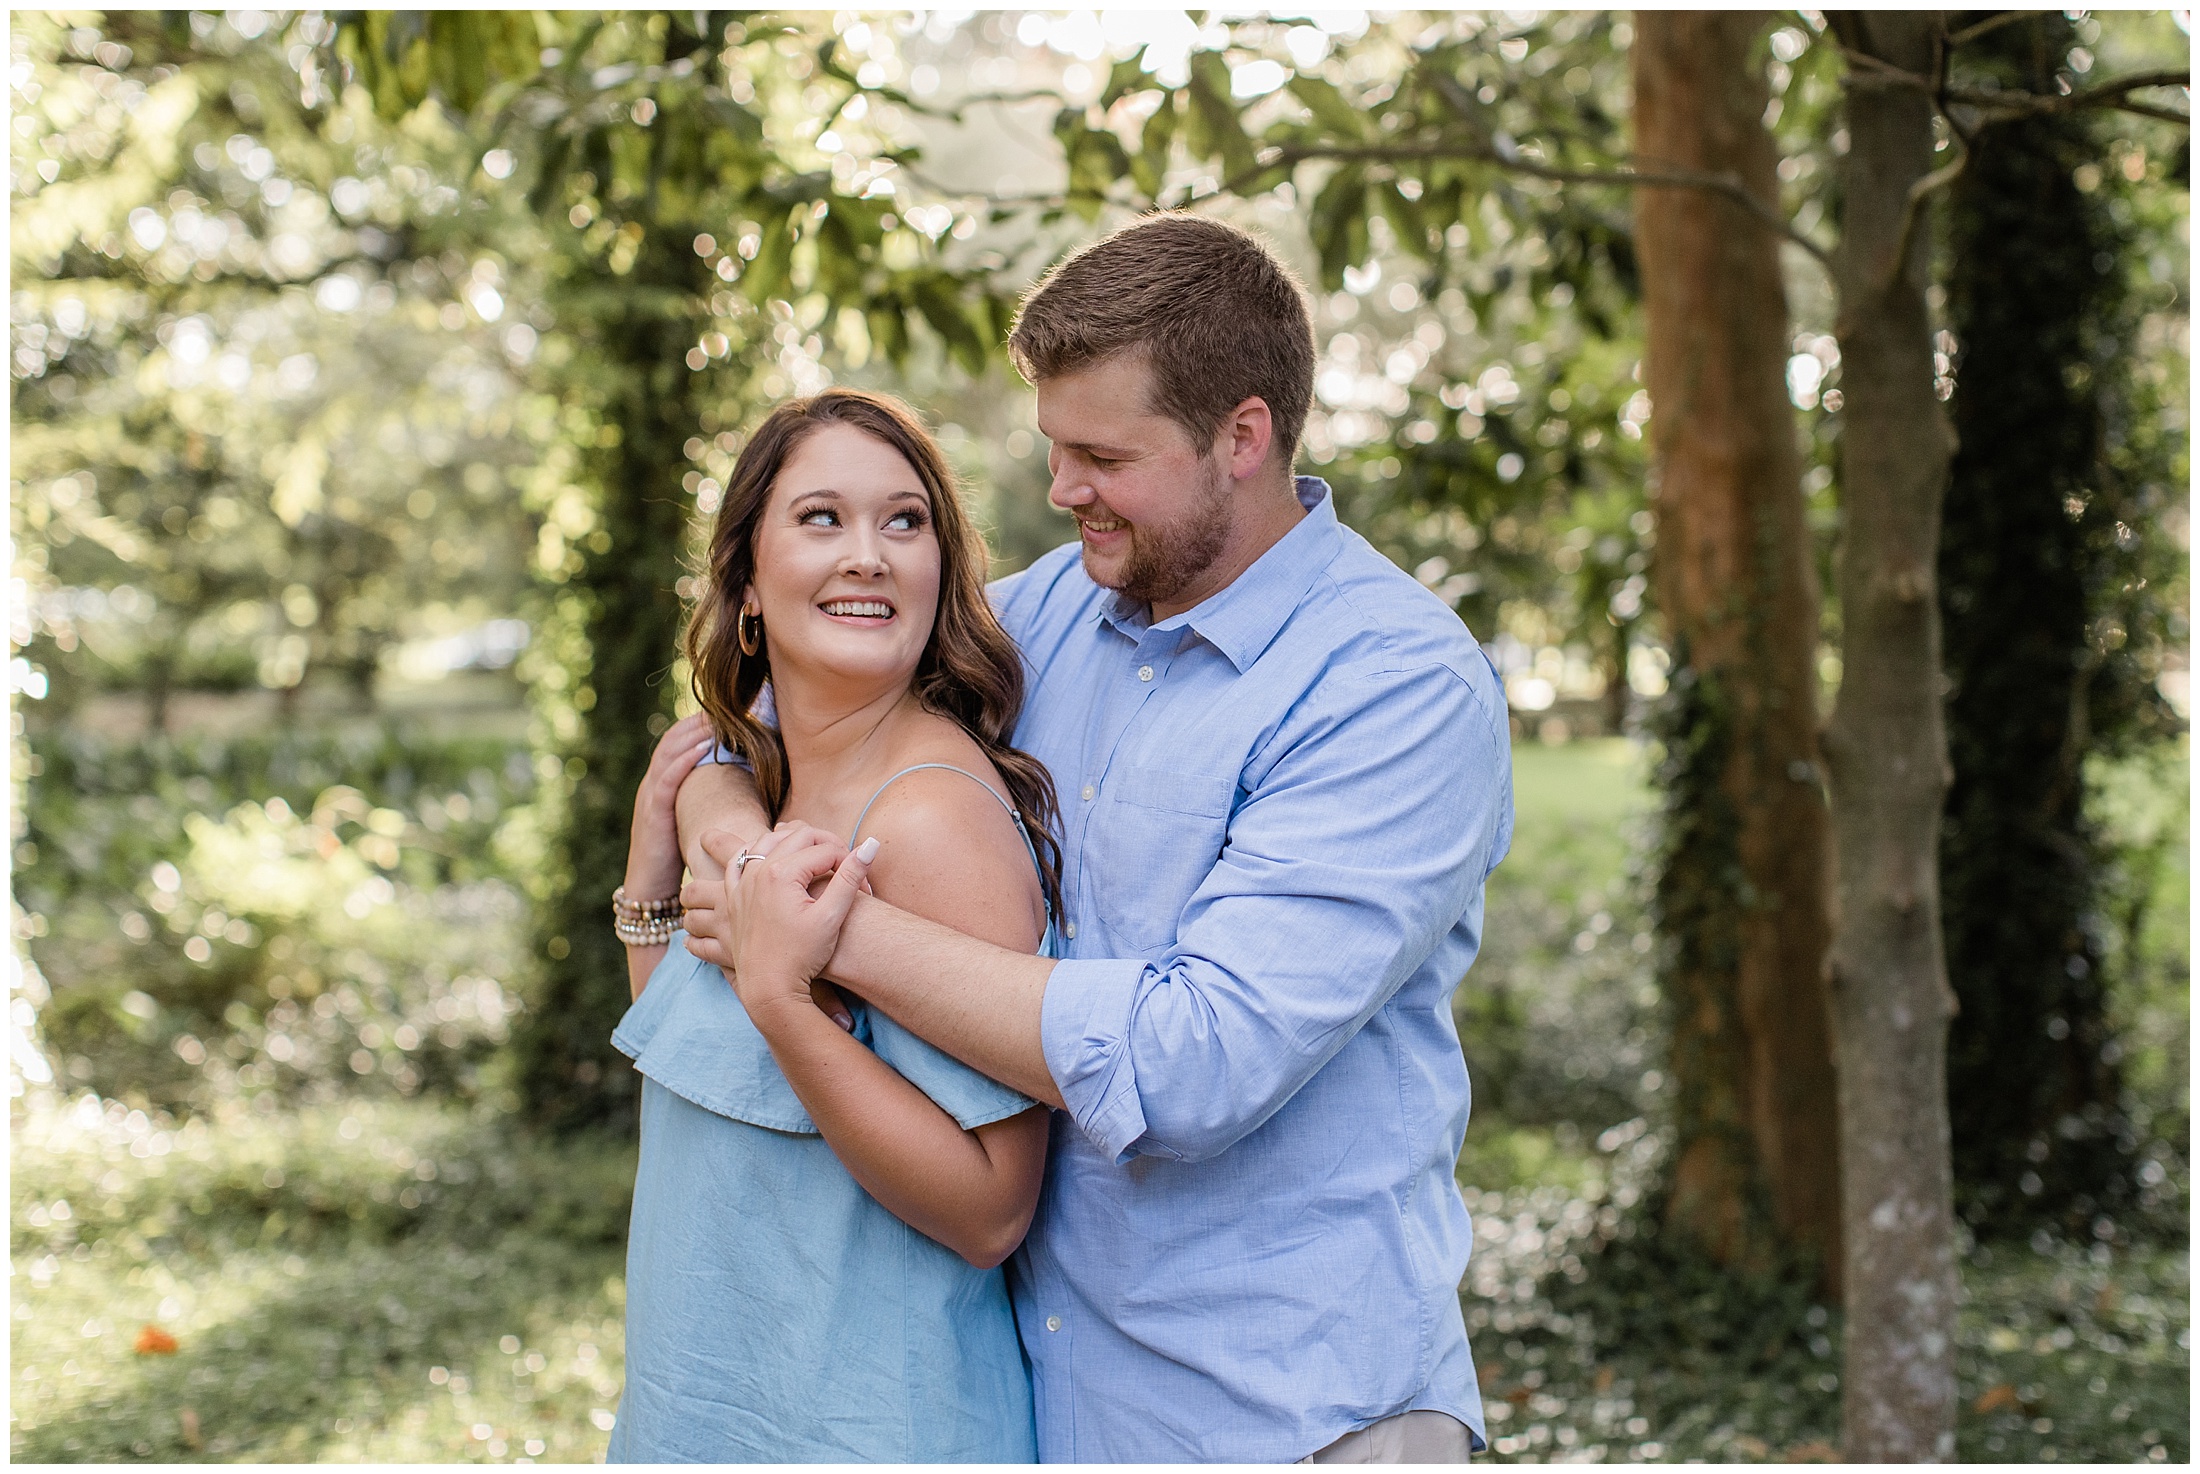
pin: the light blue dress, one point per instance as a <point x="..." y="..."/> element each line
<point x="775" y="1312"/>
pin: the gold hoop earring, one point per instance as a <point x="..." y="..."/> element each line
<point x="748" y="629"/>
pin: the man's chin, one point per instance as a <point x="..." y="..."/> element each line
<point x="1109" y="570"/>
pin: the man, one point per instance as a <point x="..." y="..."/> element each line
<point x="1284" y="774"/>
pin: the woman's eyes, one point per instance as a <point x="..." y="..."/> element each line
<point x="909" y="521"/>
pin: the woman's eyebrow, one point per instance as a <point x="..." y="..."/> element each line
<point x="904" y="495"/>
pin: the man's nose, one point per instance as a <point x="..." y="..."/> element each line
<point x="1071" y="487"/>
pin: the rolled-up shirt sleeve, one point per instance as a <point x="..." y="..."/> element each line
<point x="1369" y="823"/>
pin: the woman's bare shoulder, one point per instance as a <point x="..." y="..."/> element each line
<point x="950" y="851"/>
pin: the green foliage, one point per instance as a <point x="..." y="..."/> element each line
<point x="263" y="425"/>
<point x="2055" y="615"/>
<point x="198" y="946"/>
<point x="1599" y="1338"/>
<point x="2144" y="806"/>
<point x="658" y="149"/>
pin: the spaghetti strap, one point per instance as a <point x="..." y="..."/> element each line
<point x="1017" y="819"/>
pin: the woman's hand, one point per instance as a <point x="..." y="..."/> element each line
<point x="783" y="934"/>
<point x="653" y="860"/>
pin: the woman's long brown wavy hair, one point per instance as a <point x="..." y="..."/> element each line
<point x="970" y="673"/>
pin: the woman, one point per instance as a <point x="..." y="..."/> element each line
<point x="819" y="1209"/>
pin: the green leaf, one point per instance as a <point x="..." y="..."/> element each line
<point x="548" y="190"/>
<point x="937" y="299"/>
<point x="889" y="326"/>
<point x="1215" y="128"/>
<point x="723" y="112"/>
<point x="1096" y="160"/>
<point x="1124" y="78"/>
<point x="1338" y="223"/>
<point x="1407" y="220"/>
<point x="1343" y="121"/>
<point x="768" y="273"/>
<point x="1151" y="164"/>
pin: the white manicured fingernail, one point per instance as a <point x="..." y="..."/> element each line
<point x="868" y="850"/>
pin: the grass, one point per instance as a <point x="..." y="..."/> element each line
<point x="395" y="1283"/>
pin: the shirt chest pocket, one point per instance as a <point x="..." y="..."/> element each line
<point x="1157" y="836"/>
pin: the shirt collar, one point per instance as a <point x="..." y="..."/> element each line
<point x="1243" y="617"/>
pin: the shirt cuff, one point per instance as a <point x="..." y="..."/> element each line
<point x="1084" y="1033"/>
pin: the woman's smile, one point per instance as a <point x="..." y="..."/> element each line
<point x="866" y="613"/>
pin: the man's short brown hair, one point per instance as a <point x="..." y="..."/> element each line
<point x="1218" y="317"/>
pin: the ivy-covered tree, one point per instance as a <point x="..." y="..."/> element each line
<point x="2052" y="637"/>
<point x="697" y="238"/>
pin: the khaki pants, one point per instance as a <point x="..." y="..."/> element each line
<point x="1423" y="1436"/>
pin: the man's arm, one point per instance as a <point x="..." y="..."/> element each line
<point x="719" y="815"/>
<point x="1370" y="824"/>
<point x="979" y="1002"/>
<point x="1361" y="846"/>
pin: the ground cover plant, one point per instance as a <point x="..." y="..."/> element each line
<point x="371" y="1275"/>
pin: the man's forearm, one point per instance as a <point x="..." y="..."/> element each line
<point x="977" y="1001"/>
<point x="718" y="807"/>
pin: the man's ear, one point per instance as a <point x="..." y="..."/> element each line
<point x="1245" y="438"/>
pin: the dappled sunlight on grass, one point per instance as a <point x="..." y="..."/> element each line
<point x="482" y="1324"/>
<point x="1596" y="1343"/>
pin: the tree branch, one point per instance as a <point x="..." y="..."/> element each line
<point x="1923" y="187"/>
<point x="1517" y="163"/>
<point x="1869" y="70"/>
<point x="1988" y="26"/>
<point x="2111" y="94"/>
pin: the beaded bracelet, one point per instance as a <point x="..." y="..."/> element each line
<point x="640" y="910"/>
<point x="645" y="923"/>
<point x="654" y="933"/>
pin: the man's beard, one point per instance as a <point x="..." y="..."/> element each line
<point x="1167" y="557"/>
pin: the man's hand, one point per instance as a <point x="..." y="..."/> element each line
<point x="653" y="855"/>
<point x="719" y="814"/>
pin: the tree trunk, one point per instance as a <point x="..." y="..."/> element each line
<point x="1887" y="758"/>
<point x="1742" y="888"/>
<point x="2032" y="1090"/>
<point x="632" y="351"/>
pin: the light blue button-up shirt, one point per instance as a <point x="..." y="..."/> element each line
<point x="1278" y="809"/>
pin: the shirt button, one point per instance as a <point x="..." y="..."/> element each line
<point x="1054" y="1323"/>
<point x="1069" y="929"/>
<point x="1145" y="673"/>
<point x="1089" y="792"/>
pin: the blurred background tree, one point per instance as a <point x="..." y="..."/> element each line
<point x="2056" y="621"/>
